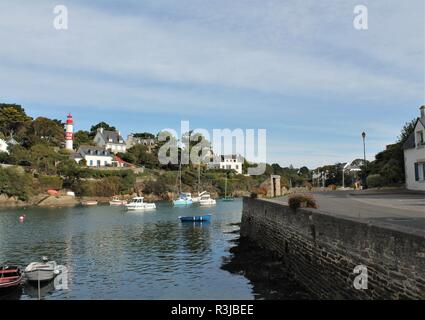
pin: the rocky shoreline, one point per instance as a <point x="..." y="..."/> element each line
<point x="50" y="201"/>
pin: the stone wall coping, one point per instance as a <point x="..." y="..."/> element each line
<point x="368" y="222"/>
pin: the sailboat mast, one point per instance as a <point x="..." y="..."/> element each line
<point x="199" y="178"/>
<point x="180" y="177"/>
<point x="225" y="187"/>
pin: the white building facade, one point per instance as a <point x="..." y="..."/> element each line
<point x="3" y="146"/>
<point x="228" y="162"/>
<point x="94" y="156"/>
<point x="414" y="156"/>
<point x="110" y="140"/>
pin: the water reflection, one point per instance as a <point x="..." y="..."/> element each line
<point x="197" y="238"/>
<point x="45" y="289"/>
<point x="268" y="274"/>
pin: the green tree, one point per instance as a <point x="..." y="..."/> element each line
<point x="70" y="171"/>
<point x="82" y="137"/>
<point x="45" y="130"/>
<point x="4" y="157"/>
<point x="144" y="135"/>
<point x="13" y="119"/>
<point x="45" y="159"/>
<point x="40" y="157"/>
<point x="406" y="131"/>
<point x="15" y="183"/>
<point x="304" y="171"/>
<point x="18" y="155"/>
<point x="140" y="155"/>
<point x="389" y="164"/>
<point x="392" y="171"/>
<point x="103" y="125"/>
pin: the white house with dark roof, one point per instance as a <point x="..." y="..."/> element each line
<point x="110" y="140"/>
<point x="414" y="155"/>
<point x="94" y="156"/>
<point x="227" y="162"/>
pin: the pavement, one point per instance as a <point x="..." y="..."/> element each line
<point x="392" y="207"/>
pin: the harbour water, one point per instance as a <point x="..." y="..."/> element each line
<point x="114" y="254"/>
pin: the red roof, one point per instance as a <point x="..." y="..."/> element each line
<point x="119" y="160"/>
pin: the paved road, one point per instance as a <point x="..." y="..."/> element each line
<point x="392" y="207"/>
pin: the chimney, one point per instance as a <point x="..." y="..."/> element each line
<point x="422" y="111"/>
<point x="100" y="130"/>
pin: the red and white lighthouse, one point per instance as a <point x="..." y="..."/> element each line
<point x="69" y="133"/>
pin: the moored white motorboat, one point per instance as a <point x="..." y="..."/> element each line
<point x="137" y="203"/>
<point x="117" y="202"/>
<point x="183" y="200"/>
<point x="41" y="271"/>
<point x="206" y="200"/>
<point x="196" y="199"/>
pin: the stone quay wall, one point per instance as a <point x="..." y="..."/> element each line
<point x="321" y="251"/>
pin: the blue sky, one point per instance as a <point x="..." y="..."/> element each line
<point x="296" y="68"/>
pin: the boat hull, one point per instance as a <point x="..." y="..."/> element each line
<point x="195" y="218"/>
<point x="117" y="203"/>
<point x="210" y="202"/>
<point x="195" y="200"/>
<point x="89" y="203"/>
<point x="11" y="284"/>
<point x="182" y="202"/>
<point x="10" y="277"/>
<point x="40" y="275"/>
<point x="41" y="271"/>
<point x="146" y="206"/>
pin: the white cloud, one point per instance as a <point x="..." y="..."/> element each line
<point x="187" y="52"/>
<point x="210" y="57"/>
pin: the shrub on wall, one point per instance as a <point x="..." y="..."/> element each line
<point x="296" y="201"/>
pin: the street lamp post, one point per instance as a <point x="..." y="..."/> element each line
<point x="364" y="157"/>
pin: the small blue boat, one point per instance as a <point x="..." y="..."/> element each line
<point x="195" y="218"/>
